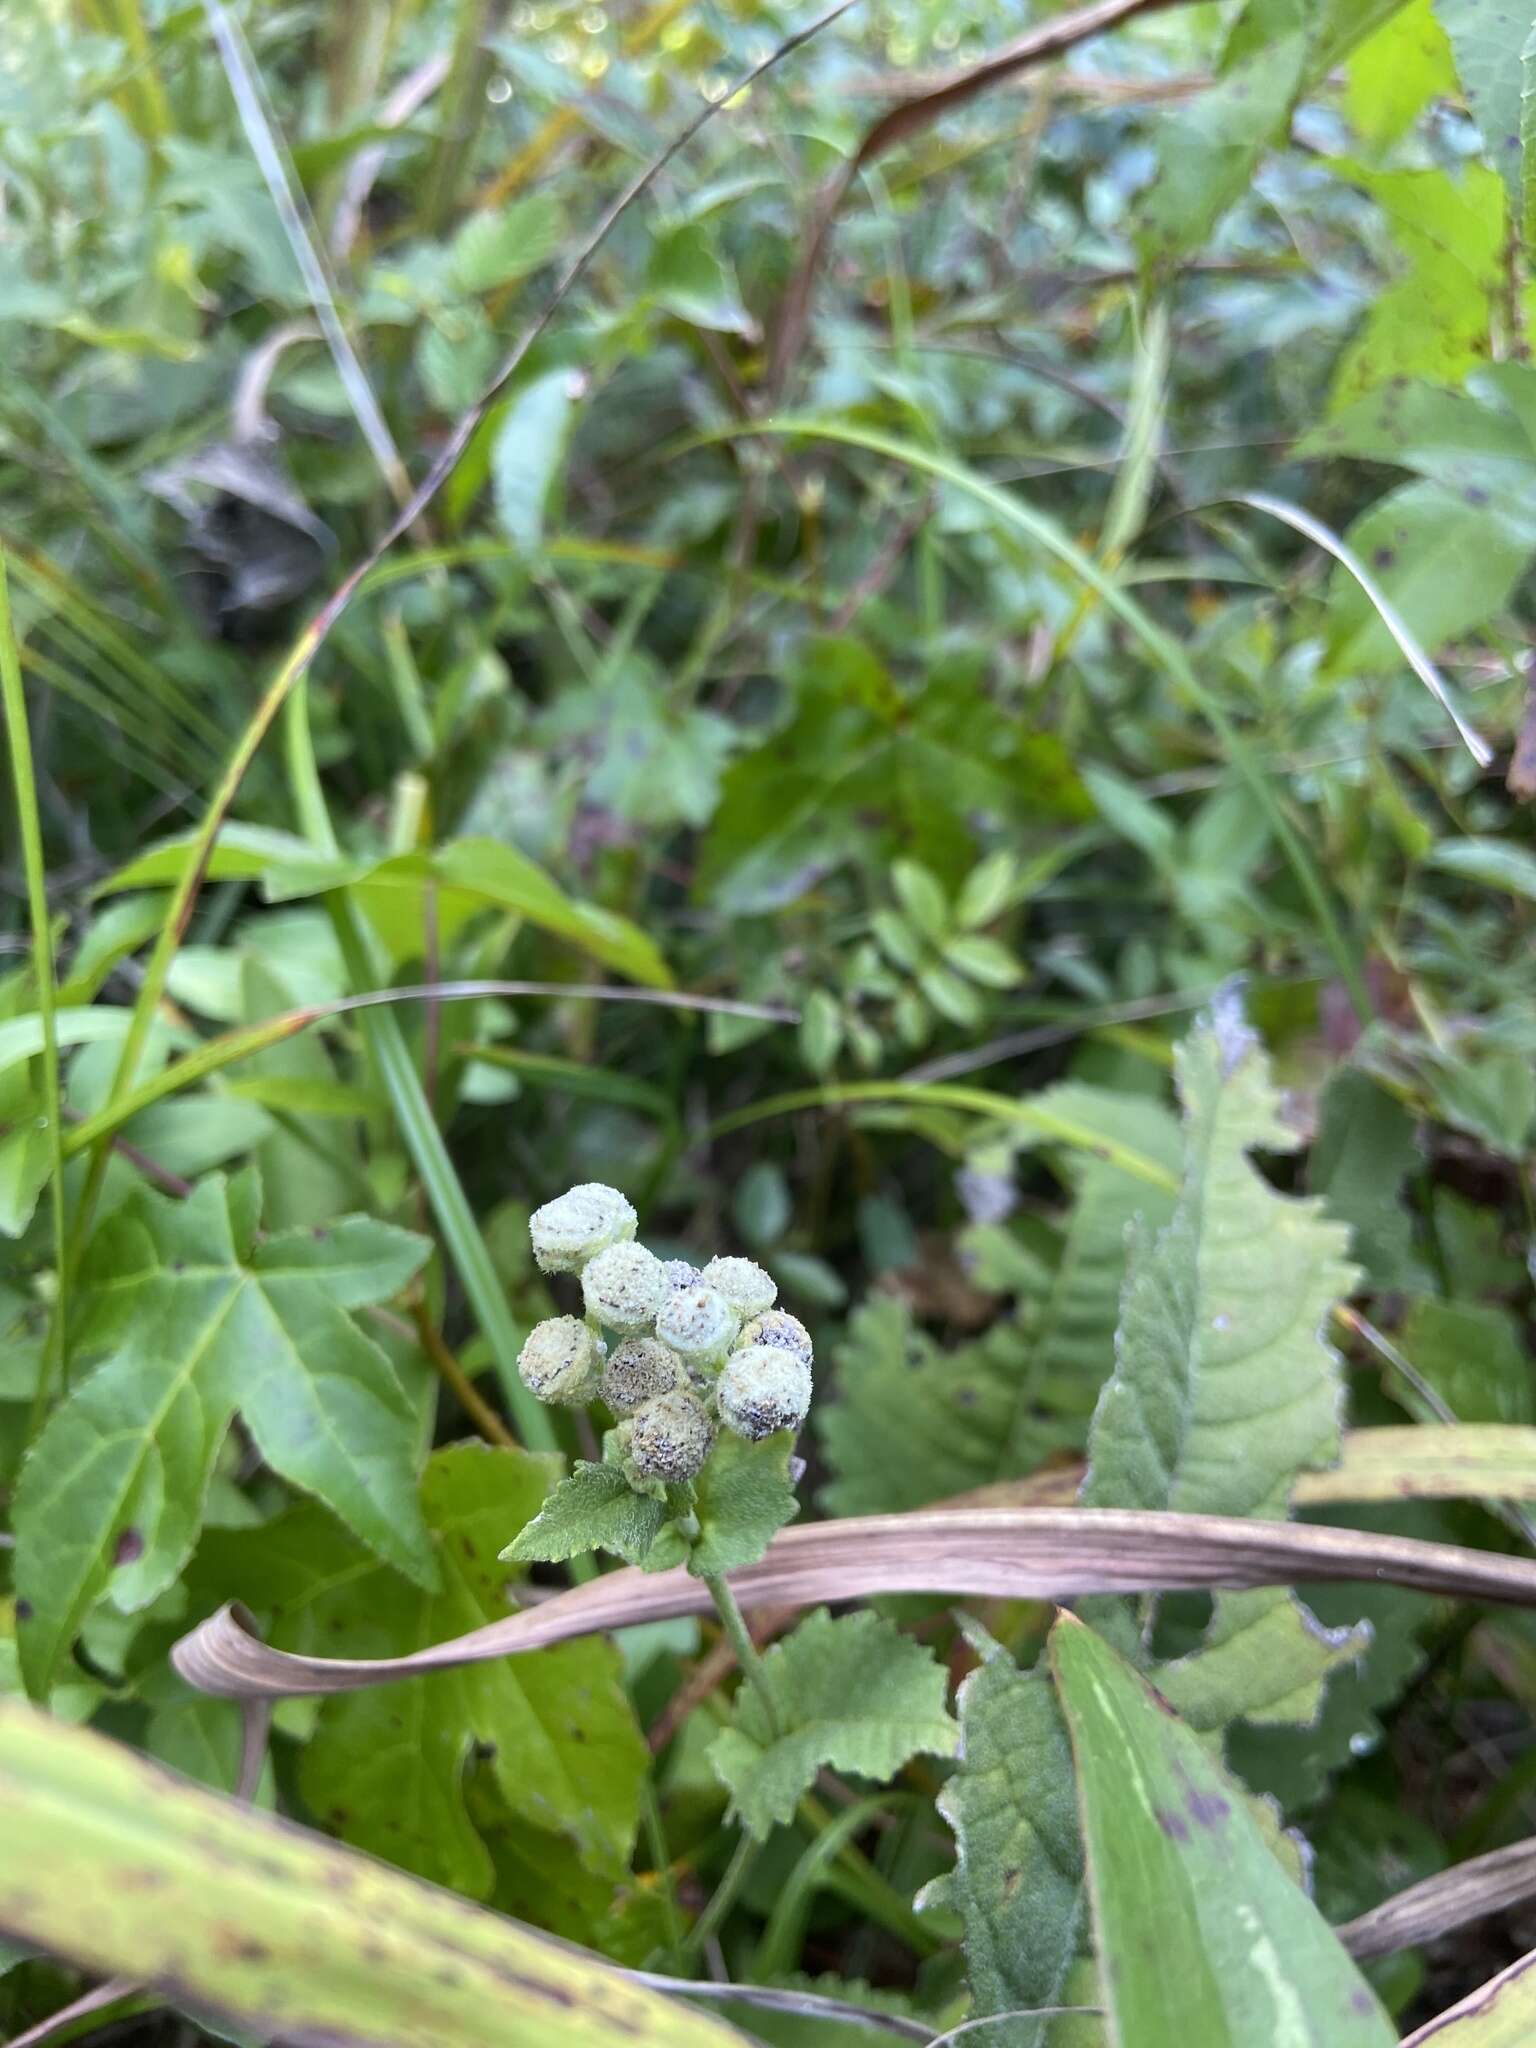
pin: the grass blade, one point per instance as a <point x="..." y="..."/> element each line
<point x="29" y="824"/>
<point x="1043" y="532"/>
<point x="1323" y="537"/>
<point x="1045" y="1122"/>
<point x="20" y="1037"/>
<point x="462" y="1235"/>
<point x="1498" y="2014"/>
<point x="1423" y="1461"/>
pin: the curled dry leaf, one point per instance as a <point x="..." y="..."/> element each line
<point x="1019" y="1553"/>
<point x="1451" y="1898"/>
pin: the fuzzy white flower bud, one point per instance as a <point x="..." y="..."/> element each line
<point x="669" y="1439"/>
<point x="744" y="1284"/>
<point x="637" y="1371"/>
<point x="562" y="1361"/>
<point x="679" y="1273"/>
<point x="698" y="1323"/>
<point x="763" y="1390"/>
<point x="780" y="1329"/>
<point x="579" y="1224"/>
<point x="623" y="1287"/>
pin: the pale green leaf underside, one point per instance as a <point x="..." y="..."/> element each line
<point x="853" y="1693"/>
<point x="1018" y="1877"/>
<point x="596" y="1508"/>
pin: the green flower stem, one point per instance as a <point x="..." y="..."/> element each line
<point x="779" y="1950"/>
<point x="856" y="1881"/>
<point x="661" y="1857"/>
<point x="748" y="1657"/>
<point x="724" y="1896"/>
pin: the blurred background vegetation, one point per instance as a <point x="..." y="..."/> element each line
<point x="976" y="607"/>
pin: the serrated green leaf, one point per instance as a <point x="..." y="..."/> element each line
<point x="1486" y="43"/>
<point x="528" y="453"/>
<point x="596" y="1508"/>
<point x="1224" y="1387"/>
<point x="385" y="1768"/>
<point x="1363" y="1154"/>
<point x="1266" y="1659"/>
<point x="1018" y="1881"/>
<point x="1293" y="1762"/>
<point x="491" y="249"/>
<point x="194" y="1321"/>
<point x="913" y="1423"/>
<point x="1241" y="1955"/>
<point x="853" y="1693"/>
<point x="742" y="1498"/>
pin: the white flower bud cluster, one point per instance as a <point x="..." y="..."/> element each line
<point x="694" y="1349"/>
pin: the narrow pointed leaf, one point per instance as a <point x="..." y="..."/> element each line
<point x="1201" y="1935"/>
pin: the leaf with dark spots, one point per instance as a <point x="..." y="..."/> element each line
<point x="1241" y="1954"/>
<point x="231" y="1924"/>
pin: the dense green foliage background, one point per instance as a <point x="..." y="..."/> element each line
<point x="951" y="619"/>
